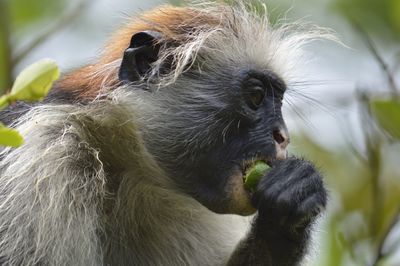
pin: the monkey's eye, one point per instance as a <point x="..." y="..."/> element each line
<point x="255" y="97"/>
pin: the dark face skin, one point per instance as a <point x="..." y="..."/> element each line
<point x="251" y="128"/>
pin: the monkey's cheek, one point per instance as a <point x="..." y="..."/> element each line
<point x="238" y="197"/>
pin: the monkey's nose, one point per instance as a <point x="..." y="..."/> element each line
<point x="282" y="140"/>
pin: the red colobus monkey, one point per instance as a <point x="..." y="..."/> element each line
<point x="138" y="158"/>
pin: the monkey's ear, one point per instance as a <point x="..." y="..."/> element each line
<point x="142" y="51"/>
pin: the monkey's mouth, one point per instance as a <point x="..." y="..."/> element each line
<point x="249" y="162"/>
<point x="239" y="197"/>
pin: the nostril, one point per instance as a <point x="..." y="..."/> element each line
<point x="278" y="137"/>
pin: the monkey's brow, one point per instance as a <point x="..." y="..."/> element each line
<point x="268" y="77"/>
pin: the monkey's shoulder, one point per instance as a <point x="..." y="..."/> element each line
<point x="56" y="96"/>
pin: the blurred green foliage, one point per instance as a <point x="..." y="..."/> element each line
<point x="26" y="13"/>
<point x="364" y="184"/>
<point x="380" y="17"/>
<point x="387" y="113"/>
<point x="30" y="23"/>
<point x="32" y="84"/>
<point x="363" y="206"/>
<point x="19" y="22"/>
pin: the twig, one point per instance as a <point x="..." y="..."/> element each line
<point x="373" y="147"/>
<point x="64" y="20"/>
<point x="373" y="49"/>
<point x="396" y="64"/>
<point x="372" y="144"/>
<point x="7" y="48"/>
<point x="382" y="242"/>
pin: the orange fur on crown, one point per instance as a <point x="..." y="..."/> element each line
<point x="173" y="22"/>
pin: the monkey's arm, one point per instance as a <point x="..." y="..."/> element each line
<point x="288" y="199"/>
<point x="269" y="248"/>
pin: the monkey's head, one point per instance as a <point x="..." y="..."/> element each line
<point x="207" y="84"/>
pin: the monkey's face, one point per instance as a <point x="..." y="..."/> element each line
<point x="208" y="126"/>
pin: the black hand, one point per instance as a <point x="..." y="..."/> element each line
<point x="290" y="196"/>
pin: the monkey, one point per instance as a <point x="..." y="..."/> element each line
<point x="138" y="158"/>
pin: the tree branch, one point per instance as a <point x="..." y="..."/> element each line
<point x="380" y="254"/>
<point x="7" y="48"/>
<point x="373" y="49"/>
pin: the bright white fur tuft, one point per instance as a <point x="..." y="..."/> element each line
<point x="243" y="35"/>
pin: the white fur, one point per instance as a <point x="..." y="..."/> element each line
<point x="244" y="35"/>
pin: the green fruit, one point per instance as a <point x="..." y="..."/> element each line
<point x="254" y="174"/>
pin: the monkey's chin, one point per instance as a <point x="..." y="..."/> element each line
<point x="239" y="197"/>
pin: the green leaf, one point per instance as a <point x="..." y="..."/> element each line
<point x="254" y="175"/>
<point x="387" y="114"/>
<point x="4" y="101"/>
<point x="10" y="137"/>
<point x="34" y="82"/>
